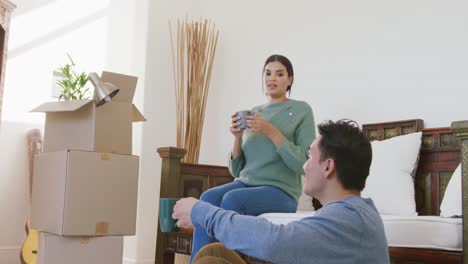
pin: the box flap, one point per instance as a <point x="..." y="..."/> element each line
<point x="126" y="84"/>
<point x="137" y="116"/>
<point x="62" y="106"/>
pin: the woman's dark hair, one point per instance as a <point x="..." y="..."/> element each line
<point x="343" y="142"/>
<point x="286" y="63"/>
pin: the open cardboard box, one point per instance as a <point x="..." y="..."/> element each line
<point x="54" y="249"/>
<point x="80" y="125"/>
<point x="82" y="193"/>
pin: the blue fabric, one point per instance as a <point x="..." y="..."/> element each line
<point x="244" y="199"/>
<point x="342" y="232"/>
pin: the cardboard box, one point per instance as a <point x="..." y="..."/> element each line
<point x="78" y="250"/>
<point x="80" y="125"/>
<point x="80" y="193"/>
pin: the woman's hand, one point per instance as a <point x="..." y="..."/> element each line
<point x="235" y="123"/>
<point x="258" y="124"/>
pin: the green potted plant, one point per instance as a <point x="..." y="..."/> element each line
<point x="72" y="84"/>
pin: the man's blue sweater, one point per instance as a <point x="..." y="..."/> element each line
<point x="346" y="231"/>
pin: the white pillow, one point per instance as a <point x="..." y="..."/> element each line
<point x="390" y="184"/>
<point x="452" y="202"/>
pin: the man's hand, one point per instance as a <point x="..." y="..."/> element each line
<point x="183" y="212"/>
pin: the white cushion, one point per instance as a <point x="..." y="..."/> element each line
<point x="452" y="202"/>
<point x="305" y="201"/>
<point x="390" y="184"/>
<point x="403" y="231"/>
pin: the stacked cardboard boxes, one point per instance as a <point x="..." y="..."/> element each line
<point x="85" y="187"/>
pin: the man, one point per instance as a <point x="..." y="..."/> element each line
<point x="347" y="229"/>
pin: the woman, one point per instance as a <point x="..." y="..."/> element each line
<point x="267" y="158"/>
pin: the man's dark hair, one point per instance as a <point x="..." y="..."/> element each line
<point x="344" y="142"/>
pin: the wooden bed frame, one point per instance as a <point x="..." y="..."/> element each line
<point x="441" y="152"/>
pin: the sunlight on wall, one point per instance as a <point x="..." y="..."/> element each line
<point x="39" y="41"/>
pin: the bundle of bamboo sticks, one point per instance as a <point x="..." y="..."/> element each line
<point x="192" y="56"/>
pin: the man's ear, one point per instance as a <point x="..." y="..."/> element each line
<point x="329" y="167"/>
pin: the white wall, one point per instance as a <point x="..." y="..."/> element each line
<point x="159" y="129"/>
<point x="367" y="60"/>
<point x="14" y="189"/>
<point x="99" y="35"/>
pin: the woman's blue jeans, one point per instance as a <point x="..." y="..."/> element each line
<point x="244" y="199"/>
